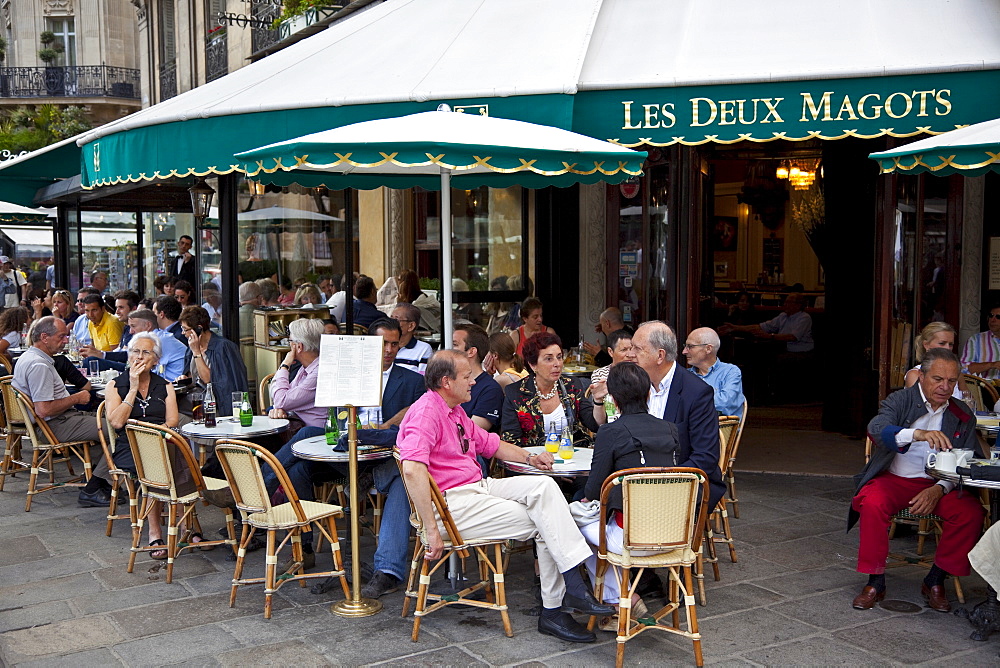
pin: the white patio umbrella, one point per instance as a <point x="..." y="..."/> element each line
<point x="14" y="213"/>
<point x="435" y="150"/>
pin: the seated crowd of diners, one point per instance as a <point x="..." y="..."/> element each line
<point x="490" y="397"/>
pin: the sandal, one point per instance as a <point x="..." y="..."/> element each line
<point x="207" y="548"/>
<point x="160" y="554"/>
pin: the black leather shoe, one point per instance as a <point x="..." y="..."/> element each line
<point x="586" y="605"/>
<point x="565" y="628"/>
<point x="96" y="499"/>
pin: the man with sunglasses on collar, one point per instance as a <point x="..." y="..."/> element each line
<point x="981" y="355"/>
<point x="413" y="353"/>
<point x="438" y="440"/>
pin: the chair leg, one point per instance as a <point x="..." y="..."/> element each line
<point x="245" y="537"/>
<point x="692" y="613"/>
<point x="418" y="550"/>
<point x="892" y="528"/>
<point x="958" y="588"/>
<point x="172" y="528"/>
<point x="113" y="506"/>
<point x="137" y="531"/>
<point x="501" y="593"/>
<point x="418" y="612"/>
<point x="727" y="531"/>
<point x="624" y="616"/>
<point x="337" y="555"/>
<point x="377" y="512"/>
<point x="700" y="576"/>
<point x="12" y="452"/>
<point x="923" y="530"/>
<point x="731" y="480"/>
<point x="602" y="568"/>
<point x="271" y="565"/>
<point x="712" y="557"/>
<point x="32" y="478"/>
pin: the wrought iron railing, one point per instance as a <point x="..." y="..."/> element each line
<point x="70" y="81"/>
<point x="168" y="80"/>
<point x="261" y="37"/>
<point x="216" y="57"/>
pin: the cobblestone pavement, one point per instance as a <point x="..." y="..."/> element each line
<point x="66" y="600"/>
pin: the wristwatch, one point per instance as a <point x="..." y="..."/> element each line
<point x="599" y="402"/>
<point x="284" y="366"/>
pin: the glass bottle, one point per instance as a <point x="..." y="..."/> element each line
<point x="210" y="407"/>
<point x="246" y="414"/>
<point x="332" y="427"/>
<point x="552" y="439"/>
<point x="566" y="445"/>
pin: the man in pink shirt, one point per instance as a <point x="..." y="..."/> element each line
<point x="438" y="439"/>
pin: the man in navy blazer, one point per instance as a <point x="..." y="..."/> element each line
<point x="679" y="397"/>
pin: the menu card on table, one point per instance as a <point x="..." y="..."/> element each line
<point x="350" y="371"/>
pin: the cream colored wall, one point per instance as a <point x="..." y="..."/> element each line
<point x="372" y="240"/>
<point x="106" y="31"/>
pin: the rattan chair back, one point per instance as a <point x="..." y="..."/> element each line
<point x="153" y="461"/>
<point x="106" y="432"/>
<point x="7" y="362"/>
<point x="360" y="330"/>
<point x="728" y="430"/>
<point x="38" y="430"/>
<point x="983" y="391"/>
<point x="13" y="414"/>
<point x="264" y="395"/>
<point x="663" y="509"/>
<point x="241" y="461"/>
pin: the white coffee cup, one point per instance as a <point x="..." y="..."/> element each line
<point x="963" y="457"/>
<point x="942" y="461"/>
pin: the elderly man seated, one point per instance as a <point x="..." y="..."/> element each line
<point x="520" y="507"/>
<point x="610" y="321"/>
<point x="295" y="398"/>
<point x="702" y="352"/>
<point x="910" y="424"/>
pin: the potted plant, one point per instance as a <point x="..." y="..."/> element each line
<point x="55" y="77"/>
<point x="298" y="14"/>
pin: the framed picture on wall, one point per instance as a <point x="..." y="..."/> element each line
<point x="721" y="269"/>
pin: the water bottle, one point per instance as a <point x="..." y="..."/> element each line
<point x="565" y="444"/>
<point x="24" y="336"/>
<point x="246" y="414"/>
<point x="552" y="438"/>
<point x="610" y="410"/>
<point x="332" y="427"/>
<point x="210" y="408"/>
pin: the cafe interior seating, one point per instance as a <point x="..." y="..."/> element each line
<point x="926" y="525"/>
<point x="47" y="451"/>
<point x="11" y="422"/>
<point x="490" y="568"/>
<point x="119" y="477"/>
<point x="663" y="518"/>
<point x="157" y="451"/>
<point x="241" y="461"/>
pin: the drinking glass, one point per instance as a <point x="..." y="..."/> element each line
<point x="995" y="454"/>
<point x="969" y="400"/>
<point x="237" y="404"/>
<point x="565" y="451"/>
<point x="94" y="368"/>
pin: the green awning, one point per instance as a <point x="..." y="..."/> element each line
<point x="970" y="151"/>
<point x="22" y="177"/>
<point x="205" y="146"/>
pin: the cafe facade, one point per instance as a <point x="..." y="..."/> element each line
<point x="758" y="124"/>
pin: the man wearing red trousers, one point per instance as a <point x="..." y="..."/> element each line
<point x="910" y="424"/>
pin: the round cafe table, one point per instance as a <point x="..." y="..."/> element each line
<point x="316" y="449"/>
<point x="578" y="465"/>
<point x="579" y="370"/>
<point x="205" y="437"/>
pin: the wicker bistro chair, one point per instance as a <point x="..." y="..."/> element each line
<point x="984" y="392"/>
<point x="722" y="532"/>
<point x="664" y="513"/>
<point x="241" y="461"/>
<point x="927" y="525"/>
<point x="489" y="567"/>
<point x="729" y="470"/>
<point x="13" y="429"/>
<point x="45" y="446"/>
<point x="154" y="463"/>
<point x="119" y="478"/>
<point x="264" y="395"/>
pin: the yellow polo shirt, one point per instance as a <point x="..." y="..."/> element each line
<point x="107" y="334"/>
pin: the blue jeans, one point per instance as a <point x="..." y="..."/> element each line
<point x="299" y="471"/>
<point x="393" y="553"/>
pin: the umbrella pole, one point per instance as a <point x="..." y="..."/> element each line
<point x="447" y="328"/>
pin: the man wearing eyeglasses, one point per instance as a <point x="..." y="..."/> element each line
<point x="702" y="352"/>
<point x="36" y="377"/>
<point x="437" y="439"/>
<point x="981" y="355"/>
<point x="413" y="353"/>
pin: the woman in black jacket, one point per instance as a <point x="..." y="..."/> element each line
<point x="634" y="440"/>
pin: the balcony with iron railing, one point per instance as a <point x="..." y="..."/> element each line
<point x="70" y="81"/>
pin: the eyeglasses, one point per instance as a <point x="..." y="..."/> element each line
<point x="993" y="316"/>
<point x="143" y="353"/>
<point x="461" y="435"/>
<point x="695" y="345"/>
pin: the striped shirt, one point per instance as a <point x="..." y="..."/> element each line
<point x="983" y="347"/>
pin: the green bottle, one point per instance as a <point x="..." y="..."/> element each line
<point x="332" y="427"/>
<point x="246" y="415"/>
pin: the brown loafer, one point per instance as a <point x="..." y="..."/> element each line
<point x="936" y="598"/>
<point x="868" y="597"/>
